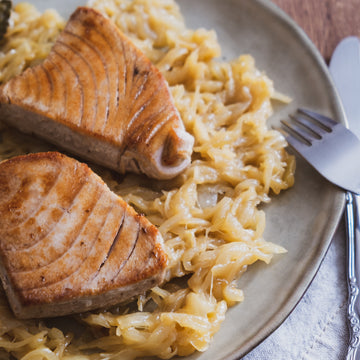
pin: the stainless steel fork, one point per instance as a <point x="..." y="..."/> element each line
<point x="334" y="151"/>
<point x="331" y="148"/>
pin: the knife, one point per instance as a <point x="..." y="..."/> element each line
<point x="345" y="71"/>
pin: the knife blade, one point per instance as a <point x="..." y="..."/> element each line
<point x="345" y="70"/>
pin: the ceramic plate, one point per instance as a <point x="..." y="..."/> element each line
<point x="302" y="219"/>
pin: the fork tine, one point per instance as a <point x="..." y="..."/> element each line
<point x="313" y="126"/>
<point x="323" y="120"/>
<point x="293" y="128"/>
<point x="296" y="144"/>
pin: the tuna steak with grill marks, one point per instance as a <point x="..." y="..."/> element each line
<point x="67" y="243"/>
<point x="98" y="96"/>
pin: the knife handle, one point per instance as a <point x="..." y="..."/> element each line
<point x="352" y="215"/>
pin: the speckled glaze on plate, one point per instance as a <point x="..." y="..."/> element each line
<point x="302" y="219"/>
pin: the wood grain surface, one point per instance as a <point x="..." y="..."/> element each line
<point x="326" y="22"/>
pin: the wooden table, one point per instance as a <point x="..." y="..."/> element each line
<point x="325" y="21"/>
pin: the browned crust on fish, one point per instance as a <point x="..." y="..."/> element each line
<point x="67" y="243"/>
<point x="97" y="89"/>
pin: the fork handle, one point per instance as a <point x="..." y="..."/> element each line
<point x="352" y="215"/>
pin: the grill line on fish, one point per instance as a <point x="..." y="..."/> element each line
<point x="98" y="96"/>
<point x="67" y="243"/>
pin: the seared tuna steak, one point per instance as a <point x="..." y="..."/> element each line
<point x="99" y="97"/>
<point x="67" y="243"/>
